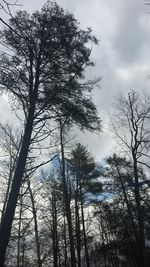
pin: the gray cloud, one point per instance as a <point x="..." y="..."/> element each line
<point x="122" y="58"/>
<point x="131" y="37"/>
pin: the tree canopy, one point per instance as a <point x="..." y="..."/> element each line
<point x="47" y="62"/>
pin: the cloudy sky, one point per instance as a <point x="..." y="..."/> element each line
<point x="122" y="58"/>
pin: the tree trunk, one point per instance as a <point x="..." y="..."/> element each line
<point x="54" y="229"/>
<point x="141" y="256"/>
<point x="67" y="202"/>
<point x="103" y="241"/>
<point x="128" y="206"/>
<point x="78" y="237"/>
<point x="23" y="253"/>
<point x="84" y="231"/>
<point x="5" y="228"/>
<point x="19" y="234"/>
<point x="39" y="262"/>
<point x="65" y="241"/>
<point x="8" y="187"/>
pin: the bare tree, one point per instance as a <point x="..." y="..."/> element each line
<point x="10" y="146"/>
<point x="132" y="128"/>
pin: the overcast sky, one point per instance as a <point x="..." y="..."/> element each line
<point x="122" y="58"/>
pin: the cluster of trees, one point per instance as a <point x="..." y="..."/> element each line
<point x="67" y="210"/>
<point x="128" y="183"/>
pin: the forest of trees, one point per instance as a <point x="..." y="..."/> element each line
<point x="58" y="206"/>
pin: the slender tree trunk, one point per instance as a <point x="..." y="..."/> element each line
<point x="114" y="257"/>
<point x="65" y="241"/>
<point x="8" y="188"/>
<point x="78" y="238"/>
<point x="54" y="229"/>
<point x="84" y="231"/>
<point x="5" y="228"/>
<point x="23" y="253"/>
<point x="67" y="202"/>
<point x="19" y="234"/>
<point x="141" y="255"/>
<point x="103" y="241"/>
<point x="39" y="262"/>
<point x="128" y="207"/>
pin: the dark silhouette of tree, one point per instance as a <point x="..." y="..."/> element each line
<point x="67" y="197"/>
<point x="132" y="129"/>
<point x="55" y="218"/>
<point x="85" y="173"/>
<point x="44" y="74"/>
<point x="119" y="175"/>
<point x="36" y="230"/>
